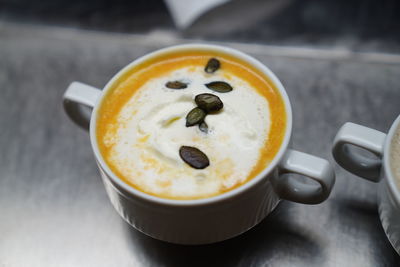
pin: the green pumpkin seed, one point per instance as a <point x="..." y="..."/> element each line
<point x="195" y="116"/>
<point x="208" y="102"/>
<point x="203" y="127"/>
<point x="220" y="87"/>
<point x="176" y="85"/>
<point x="194" y="157"/>
<point x="212" y="65"/>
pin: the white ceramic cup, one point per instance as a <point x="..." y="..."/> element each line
<point x="216" y="218"/>
<point x="375" y="170"/>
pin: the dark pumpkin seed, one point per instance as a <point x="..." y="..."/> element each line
<point x="208" y="102"/>
<point x="203" y="127"/>
<point x="194" y="157"/>
<point x="176" y="85"/>
<point x="212" y="65"/>
<point x="195" y="116"/>
<point x="220" y="87"/>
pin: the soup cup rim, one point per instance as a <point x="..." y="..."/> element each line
<point x="122" y="186"/>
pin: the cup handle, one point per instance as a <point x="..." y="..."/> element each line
<point x="363" y="137"/>
<point x="80" y="94"/>
<point x="314" y="168"/>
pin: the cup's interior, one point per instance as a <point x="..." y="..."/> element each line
<point x="254" y="63"/>
<point x="391" y="159"/>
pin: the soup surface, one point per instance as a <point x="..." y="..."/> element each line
<point x="142" y="125"/>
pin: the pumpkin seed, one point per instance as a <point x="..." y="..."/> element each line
<point x="176" y="85"/>
<point x="208" y="102"/>
<point x="195" y="116"/>
<point x="220" y="87"/>
<point x="203" y="127"/>
<point x="194" y="157"/>
<point x="212" y="65"/>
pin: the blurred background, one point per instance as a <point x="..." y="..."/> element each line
<point x="359" y="25"/>
<point x="339" y="61"/>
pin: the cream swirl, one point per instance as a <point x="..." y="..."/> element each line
<point x="151" y="129"/>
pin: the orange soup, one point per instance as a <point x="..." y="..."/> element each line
<point x="190" y="124"/>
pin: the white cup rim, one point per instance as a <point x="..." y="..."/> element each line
<point x="391" y="180"/>
<point x="203" y="201"/>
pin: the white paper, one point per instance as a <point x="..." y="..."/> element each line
<point x="185" y="12"/>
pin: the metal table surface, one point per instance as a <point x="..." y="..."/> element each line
<point x="54" y="210"/>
